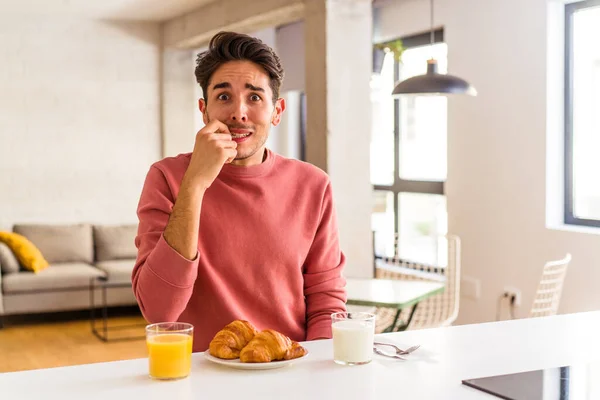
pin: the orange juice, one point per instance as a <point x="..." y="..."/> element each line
<point x="169" y="355"/>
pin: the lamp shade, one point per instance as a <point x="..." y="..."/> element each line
<point x="434" y="83"/>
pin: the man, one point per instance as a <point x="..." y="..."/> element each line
<point x="233" y="230"/>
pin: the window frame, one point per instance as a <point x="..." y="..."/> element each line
<point x="569" y="199"/>
<point x="404" y="185"/>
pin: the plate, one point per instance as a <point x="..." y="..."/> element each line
<point x="240" y="365"/>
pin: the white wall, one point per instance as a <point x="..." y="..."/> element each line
<point x="287" y="136"/>
<point x="289" y="45"/>
<point x="497" y="150"/>
<point x="79" y="118"/>
<point x="290" y="48"/>
<point x="180" y="93"/>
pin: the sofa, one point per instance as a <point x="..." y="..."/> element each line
<point x="76" y="254"/>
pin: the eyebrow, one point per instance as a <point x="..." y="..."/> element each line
<point x="223" y="85"/>
<point x="255" y="88"/>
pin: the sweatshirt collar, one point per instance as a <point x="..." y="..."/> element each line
<point x="250" y="171"/>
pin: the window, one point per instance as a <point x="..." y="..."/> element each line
<point x="408" y="157"/>
<point x="582" y="113"/>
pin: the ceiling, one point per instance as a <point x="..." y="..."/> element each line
<point x="139" y="10"/>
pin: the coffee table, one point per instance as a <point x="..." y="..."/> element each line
<point x="103" y="284"/>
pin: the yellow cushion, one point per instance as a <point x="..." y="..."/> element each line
<point x="28" y="255"/>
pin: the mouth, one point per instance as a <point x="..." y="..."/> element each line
<point x="239" y="135"/>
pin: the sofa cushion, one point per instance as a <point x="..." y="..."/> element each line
<point x="8" y="261"/>
<point x="68" y="275"/>
<point x="61" y="243"/>
<point x="115" y="242"/>
<point x="117" y="270"/>
<point x="25" y="251"/>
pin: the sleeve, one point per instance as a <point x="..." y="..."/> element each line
<point x="162" y="279"/>
<point x="324" y="285"/>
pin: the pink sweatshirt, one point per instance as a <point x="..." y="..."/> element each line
<point x="268" y="251"/>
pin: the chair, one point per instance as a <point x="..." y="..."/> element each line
<point x="436" y="311"/>
<point x="547" y="297"/>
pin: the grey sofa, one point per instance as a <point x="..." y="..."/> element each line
<point x="76" y="254"/>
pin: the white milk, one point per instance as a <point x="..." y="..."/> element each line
<point x="353" y="341"/>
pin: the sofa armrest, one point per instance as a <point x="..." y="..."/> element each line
<point x="8" y="265"/>
<point x="8" y="261"/>
<point x="1" y="299"/>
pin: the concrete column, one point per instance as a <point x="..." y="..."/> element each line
<point x="338" y="70"/>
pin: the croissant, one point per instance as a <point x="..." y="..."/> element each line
<point x="270" y="345"/>
<point x="230" y="340"/>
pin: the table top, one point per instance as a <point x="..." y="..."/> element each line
<point x="105" y="282"/>
<point x="391" y="293"/>
<point x="435" y="371"/>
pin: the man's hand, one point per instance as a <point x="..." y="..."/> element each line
<point x="213" y="148"/>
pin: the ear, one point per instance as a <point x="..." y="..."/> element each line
<point x="279" y="109"/>
<point x="202" y="107"/>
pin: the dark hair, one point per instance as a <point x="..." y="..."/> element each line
<point x="232" y="46"/>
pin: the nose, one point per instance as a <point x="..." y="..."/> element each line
<point x="239" y="112"/>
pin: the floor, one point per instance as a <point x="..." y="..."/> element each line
<point x="45" y="341"/>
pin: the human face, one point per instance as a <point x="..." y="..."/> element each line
<point x="239" y="96"/>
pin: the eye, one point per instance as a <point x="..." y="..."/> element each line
<point x="255" y="97"/>
<point x="223" y="97"/>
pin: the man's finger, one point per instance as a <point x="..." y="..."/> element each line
<point x="217" y="137"/>
<point x="232" y="155"/>
<point x="227" y="144"/>
<point x="216" y="126"/>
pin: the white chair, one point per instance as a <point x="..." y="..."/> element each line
<point x="436" y="311"/>
<point x="547" y="297"/>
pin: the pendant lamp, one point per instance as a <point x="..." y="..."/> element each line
<point x="432" y="82"/>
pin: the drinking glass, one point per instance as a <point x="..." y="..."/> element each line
<point x="353" y="336"/>
<point x="169" y="350"/>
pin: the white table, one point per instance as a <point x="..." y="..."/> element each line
<point x="391" y="293"/>
<point x="447" y="356"/>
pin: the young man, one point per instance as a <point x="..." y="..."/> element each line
<point x="233" y="230"/>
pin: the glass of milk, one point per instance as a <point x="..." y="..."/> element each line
<point x="353" y="336"/>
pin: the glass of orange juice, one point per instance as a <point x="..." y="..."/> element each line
<point x="169" y="350"/>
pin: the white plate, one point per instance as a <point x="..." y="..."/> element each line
<point x="240" y="365"/>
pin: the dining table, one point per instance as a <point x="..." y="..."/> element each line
<point x="447" y="357"/>
<point x="397" y="294"/>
